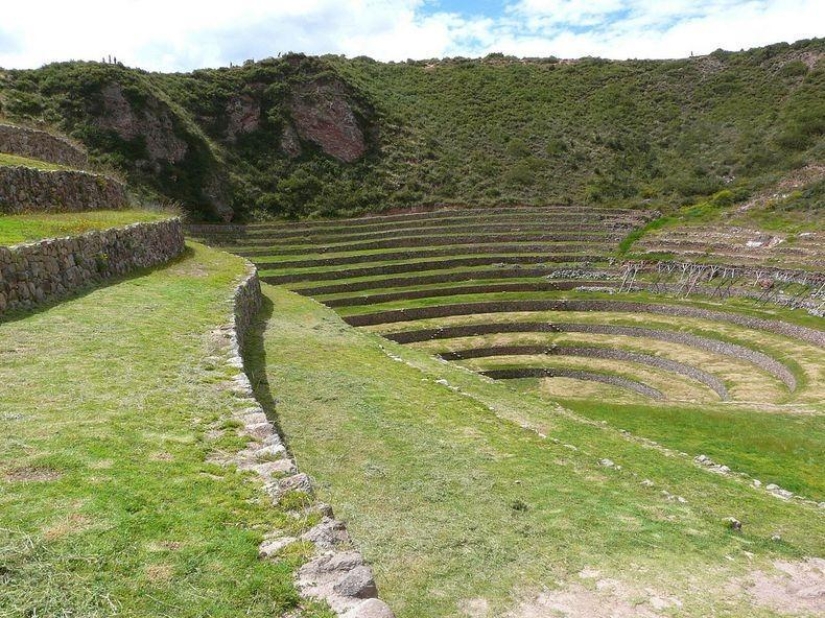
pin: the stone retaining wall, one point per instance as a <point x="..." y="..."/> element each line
<point x="34" y="144"/>
<point x="715" y="346"/>
<point x="35" y="273"/>
<point x="336" y="572"/>
<point x="810" y="335"/>
<point x="24" y="189"/>
<point x="420" y="280"/>
<point x="589" y="376"/>
<point x="486" y="288"/>
<point x="513" y="261"/>
<point x="277" y="257"/>
<point x="624" y="356"/>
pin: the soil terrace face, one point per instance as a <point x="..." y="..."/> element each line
<point x="539" y="294"/>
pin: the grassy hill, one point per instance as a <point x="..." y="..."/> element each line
<point x="297" y="136"/>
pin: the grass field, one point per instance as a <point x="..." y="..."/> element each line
<point x="112" y="402"/>
<point x="470" y="497"/>
<point x="9" y="160"/>
<point x="478" y="498"/>
<point x="469" y="494"/>
<point x="16" y="229"/>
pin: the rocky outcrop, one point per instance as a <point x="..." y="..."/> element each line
<point x="324" y="116"/>
<point x="35" y="273"/>
<point x="153" y="123"/>
<point x="23" y="189"/>
<point x="34" y="144"/>
<point x="243" y="115"/>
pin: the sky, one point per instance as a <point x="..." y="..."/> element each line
<point x="169" y="35"/>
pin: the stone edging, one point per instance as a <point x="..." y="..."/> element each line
<point x="715" y="346"/>
<point x="588" y="376"/>
<point x="337" y="572"/>
<point x="802" y="333"/>
<point x="36" y="144"/>
<point x="35" y="273"/>
<point x="624" y="356"/>
<point x="23" y="189"/>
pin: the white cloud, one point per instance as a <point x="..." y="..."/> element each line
<point x="163" y="35"/>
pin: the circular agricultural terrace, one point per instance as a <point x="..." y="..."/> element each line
<point x="538" y="295"/>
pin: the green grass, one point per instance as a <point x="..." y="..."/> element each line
<point x="8" y="160"/>
<point x="108" y="506"/>
<point x="31" y="227"/>
<point x="453" y="497"/>
<point x="781" y="448"/>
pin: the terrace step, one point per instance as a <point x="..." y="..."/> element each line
<point x="590" y="376"/>
<point x="409" y="267"/>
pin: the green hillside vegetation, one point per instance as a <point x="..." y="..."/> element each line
<point x="484" y="131"/>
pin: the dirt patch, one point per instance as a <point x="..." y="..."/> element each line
<point x="598" y="598"/>
<point x="159" y="572"/>
<point x="32" y="474"/>
<point x="794" y="588"/>
<point x="475" y="608"/>
<point x="70" y="525"/>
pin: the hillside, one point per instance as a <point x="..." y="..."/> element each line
<point x="330" y="136"/>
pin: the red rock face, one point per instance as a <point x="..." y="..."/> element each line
<point x="323" y="115"/>
<point x="244" y="116"/>
<point x="157" y="127"/>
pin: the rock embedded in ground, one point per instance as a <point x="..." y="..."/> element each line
<point x="358" y="583"/>
<point x="371" y="608"/>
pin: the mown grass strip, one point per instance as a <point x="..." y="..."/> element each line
<point x="484" y="288"/>
<point x="449" y="214"/>
<point x="9" y="160"/>
<point x="32" y="227"/>
<point x="575" y="374"/>
<point x="273" y="249"/>
<point x="332" y="244"/>
<point x="783" y="448"/>
<point x="492" y="227"/>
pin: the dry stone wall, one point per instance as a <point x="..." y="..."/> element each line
<point x="336" y="573"/>
<point x="35" y="273"/>
<point x="23" y="189"/>
<point x="34" y="144"/>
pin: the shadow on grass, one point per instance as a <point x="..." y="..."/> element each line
<point x="22" y="314"/>
<point x="254" y="357"/>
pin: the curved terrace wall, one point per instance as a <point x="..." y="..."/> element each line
<point x="587" y="376"/>
<point x="336" y="572"/>
<point x="625" y="356"/>
<point x="35" y="273"/>
<point x="815" y="337"/>
<point x="34" y="144"/>
<point x="23" y="189"/>
<point x="715" y="346"/>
